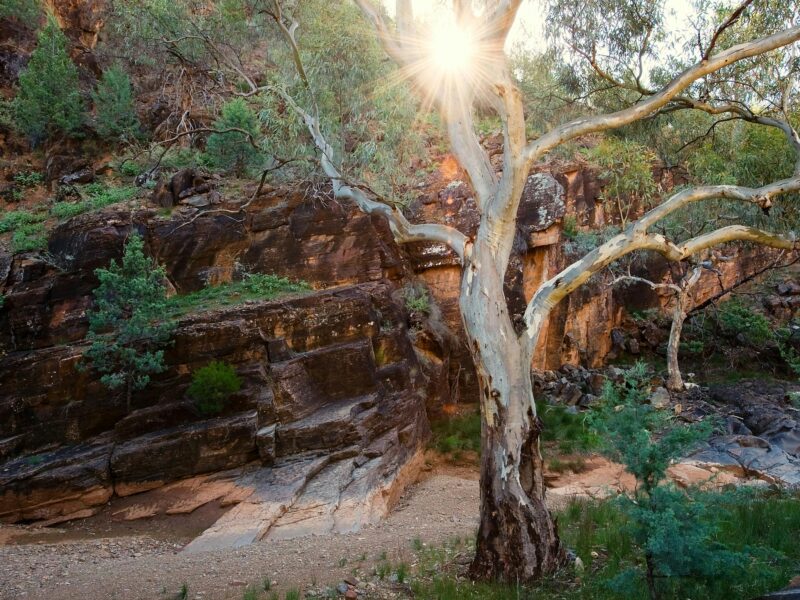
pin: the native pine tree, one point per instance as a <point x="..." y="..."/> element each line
<point x="127" y="327"/>
<point x="115" y="111"/>
<point x="234" y="150"/>
<point x="49" y="99"/>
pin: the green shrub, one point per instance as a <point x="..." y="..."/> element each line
<point x="674" y="532"/>
<point x="417" y="300"/>
<point x="14" y="219"/>
<point x="233" y="151"/>
<point x="787" y="350"/>
<point x="569" y="430"/>
<point x="212" y="385"/>
<point x="269" y="286"/>
<point x="453" y="435"/>
<point x="29" y="237"/>
<point x="95" y="197"/>
<point x="28" y="179"/>
<point x="114" y="105"/>
<point x="740" y="322"/>
<point x="26" y="11"/>
<point x="570" y="227"/>
<point x="49" y="99"/>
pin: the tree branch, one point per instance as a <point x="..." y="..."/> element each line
<point x="401" y="228"/>
<point x="652" y="104"/>
<point x="731" y="20"/>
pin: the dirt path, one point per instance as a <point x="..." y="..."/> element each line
<point x="102" y="558"/>
<point x="141" y="566"/>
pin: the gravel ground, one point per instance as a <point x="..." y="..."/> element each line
<point x="141" y="566"/>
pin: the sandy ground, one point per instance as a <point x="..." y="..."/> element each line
<point x="141" y="560"/>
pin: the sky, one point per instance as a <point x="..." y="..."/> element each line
<point x="528" y="29"/>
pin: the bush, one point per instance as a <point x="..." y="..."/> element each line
<point x="675" y="532"/>
<point x="212" y="385"/>
<point x="96" y="196"/>
<point x="740" y="322"/>
<point x="570" y="228"/>
<point x="417" y="300"/>
<point x="453" y="435"/>
<point x="49" y="100"/>
<point x="29" y="237"/>
<point x="26" y="11"/>
<point x="233" y="151"/>
<point x="28" y="179"/>
<point x="14" y="219"/>
<point x="113" y="100"/>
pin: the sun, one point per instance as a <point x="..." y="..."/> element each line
<point x="452" y="49"/>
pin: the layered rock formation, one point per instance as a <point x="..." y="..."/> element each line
<point x="331" y="384"/>
<point x="332" y="388"/>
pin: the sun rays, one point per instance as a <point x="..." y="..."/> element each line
<point x="450" y="62"/>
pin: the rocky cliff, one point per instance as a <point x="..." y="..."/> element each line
<point x="336" y="383"/>
<point x="332" y="385"/>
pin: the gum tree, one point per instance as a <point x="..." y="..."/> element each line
<point x="462" y="65"/>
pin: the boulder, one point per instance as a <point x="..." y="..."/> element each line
<point x="659" y="398"/>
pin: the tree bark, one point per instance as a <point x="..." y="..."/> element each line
<point x="679" y="314"/>
<point x="517" y="539"/>
<point x="674" y="378"/>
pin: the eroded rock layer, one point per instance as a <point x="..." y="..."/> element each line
<point x="328" y="377"/>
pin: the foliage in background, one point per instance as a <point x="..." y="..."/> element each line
<point x="256" y="286"/>
<point x="127" y="328"/>
<point x="94" y="197"/>
<point x="369" y="117"/>
<point x="416" y="299"/>
<point x="741" y="323"/>
<point x="626" y="168"/>
<point x="212" y="385"/>
<point x="25" y="11"/>
<point x="49" y="101"/>
<point x="114" y="105"/>
<point x="457" y="434"/>
<point x="233" y="151"/>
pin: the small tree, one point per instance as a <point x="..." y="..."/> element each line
<point x="126" y="328"/>
<point x="113" y="100"/>
<point x="674" y="530"/>
<point x="49" y="98"/>
<point x="234" y="150"/>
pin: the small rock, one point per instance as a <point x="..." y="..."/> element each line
<point x="660" y="398"/>
<point x="342" y="588"/>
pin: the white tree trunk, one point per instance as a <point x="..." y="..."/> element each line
<point x="517" y="539"/>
